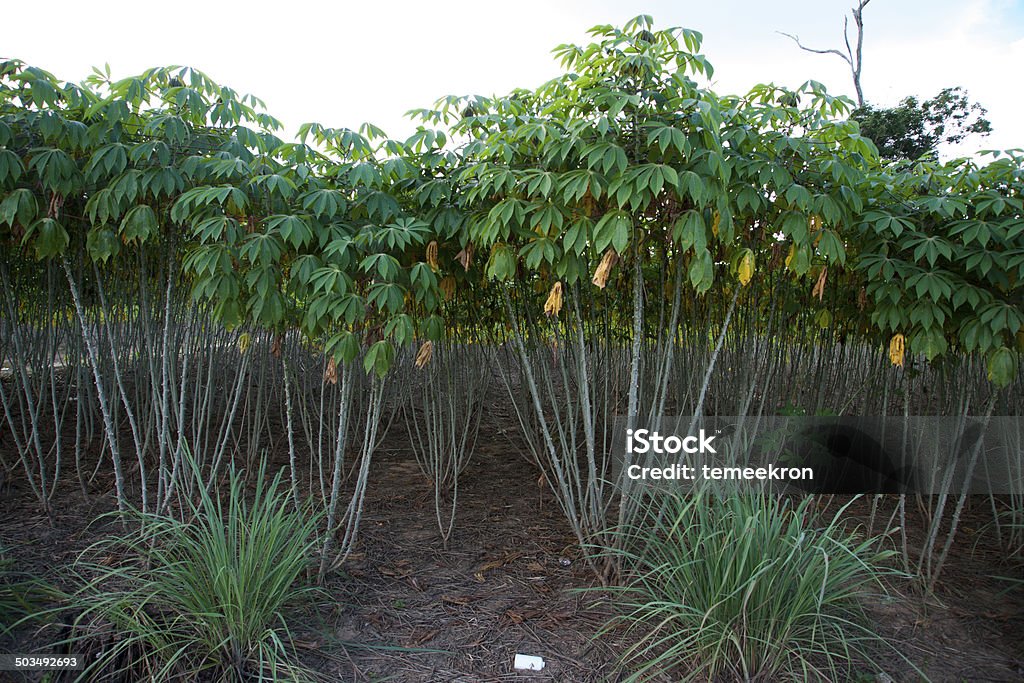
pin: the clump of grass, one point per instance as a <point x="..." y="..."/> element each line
<point x="21" y="596"/>
<point x="201" y="599"/>
<point x="744" y="587"/>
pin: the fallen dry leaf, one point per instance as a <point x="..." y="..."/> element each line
<point x="456" y="600"/>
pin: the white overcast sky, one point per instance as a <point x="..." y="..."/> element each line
<point x="345" y="63"/>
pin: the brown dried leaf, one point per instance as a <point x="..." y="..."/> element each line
<point x="418" y="638"/>
<point x="819" y="286"/>
<point x="331" y="373"/>
<point x="447" y="286"/>
<point x="425" y="353"/>
<point x="604" y="268"/>
<point x="456" y="600"/>
<point x="465" y="257"/>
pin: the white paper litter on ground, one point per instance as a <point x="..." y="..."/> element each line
<point x="528" y="662"/>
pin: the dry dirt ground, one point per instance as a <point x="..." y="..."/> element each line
<point x="405" y="609"/>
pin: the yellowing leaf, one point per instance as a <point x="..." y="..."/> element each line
<point x="432" y="255"/>
<point x="897" y="348"/>
<point x="746" y="267"/>
<point x="554" y="303"/>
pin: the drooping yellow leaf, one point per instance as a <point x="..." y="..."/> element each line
<point x="897" y="348"/>
<point x="554" y="303"/>
<point x="432" y="255"/>
<point x="746" y="267"/>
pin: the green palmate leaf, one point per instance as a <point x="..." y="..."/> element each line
<point x="49" y="238"/>
<point x="109" y="160"/>
<point x="831" y="247"/>
<point x="578" y="235"/>
<point x="930" y="341"/>
<point x="379" y="357"/>
<point x="400" y="328"/>
<point x="162" y="182"/>
<point x="217" y="228"/>
<point x="18" y="207"/>
<point x="1002" y="367"/>
<point x="798" y="197"/>
<point x="261" y="248"/>
<point x="276" y="184"/>
<point x="794" y="226"/>
<point x="386" y="296"/>
<point x="55" y="169"/>
<point x="324" y="203"/>
<point x="502" y="263"/>
<point x="976" y="336"/>
<point x="667" y="136"/>
<point x="295" y="230"/>
<point x="301" y="271"/>
<point x="11" y="167"/>
<point x="332" y="308"/>
<point x="690" y="231"/>
<point x="537" y="251"/>
<point x="267" y="307"/>
<point x="1002" y="317"/>
<point x="935" y="284"/>
<point x="800" y="259"/>
<point x="386" y="265"/>
<point x="102" y="244"/>
<point x="571" y="268"/>
<point x="139" y="224"/>
<point x="885" y="224"/>
<point x="433" y="328"/>
<point x="343" y="346"/>
<point x="330" y="279"/>
<point x="230" y="198"/>
<point x="614" y="229"/>
<point x="702" y="271"/>
<point x="930" y="248"/>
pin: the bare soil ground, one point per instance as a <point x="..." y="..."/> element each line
<point x="405" y="609"/>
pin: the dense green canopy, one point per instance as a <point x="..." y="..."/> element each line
<point x="365" y="243"/>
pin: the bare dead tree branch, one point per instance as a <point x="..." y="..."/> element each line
<point x="854" y="58"/>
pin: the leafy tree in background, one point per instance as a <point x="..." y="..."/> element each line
<point x="912" y="129"/>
